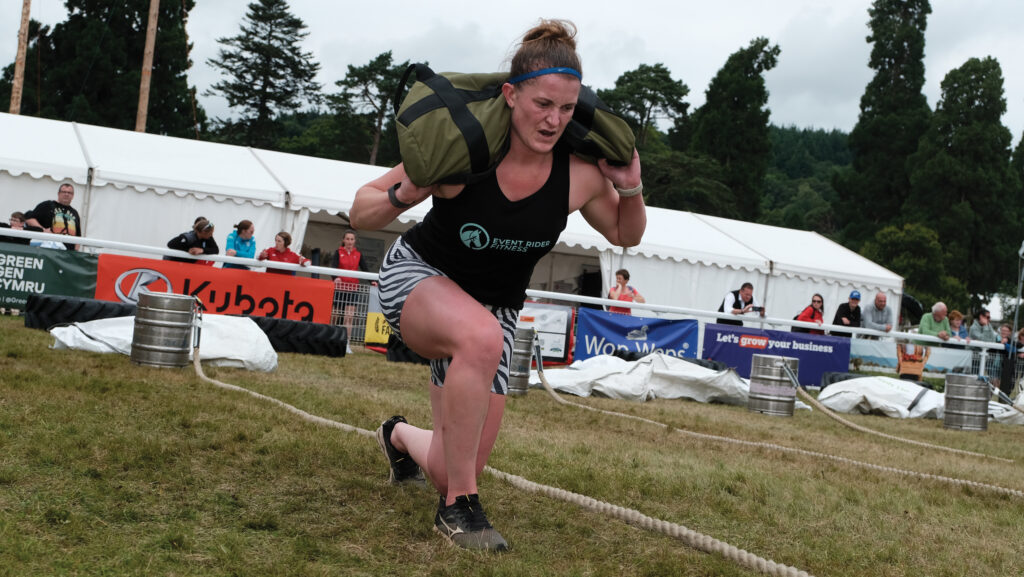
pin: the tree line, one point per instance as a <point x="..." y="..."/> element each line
<point x="934" y="195"/>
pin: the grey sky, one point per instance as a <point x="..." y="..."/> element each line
<point x="821" y="74"/>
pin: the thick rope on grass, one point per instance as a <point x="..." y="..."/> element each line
<point x="774" y="447"/>
<point x="291" y="409"/>
<point x="689" y="537"/>
<point x="830" y="413"/>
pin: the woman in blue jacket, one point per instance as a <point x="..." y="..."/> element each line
<point x="241" y="243"/>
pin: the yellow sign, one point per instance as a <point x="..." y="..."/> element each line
<point x="377" y="329"/>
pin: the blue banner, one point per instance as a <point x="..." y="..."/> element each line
<point x="735" y="346"/>
<point x="602" y="333"/>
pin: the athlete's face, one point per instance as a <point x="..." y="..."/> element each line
<point x="541" y="109"/>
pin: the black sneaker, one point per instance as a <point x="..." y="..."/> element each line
<point x="403" y="468"/>
<point x="465" y="524"/>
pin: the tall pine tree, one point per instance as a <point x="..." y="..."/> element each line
<point x="732" y="125"/>
<point x="646" y="95"/>
<point x="893" y="116"/>
<point x="87" y="68"/>
<point x="962" y="185"/>
<point x="266" y="73"/>
<point x="370" y="90"/>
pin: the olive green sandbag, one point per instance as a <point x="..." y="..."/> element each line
<point x="453" y="128"/>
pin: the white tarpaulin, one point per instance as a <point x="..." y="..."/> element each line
<point x="225" y="341"/>
<point x="883" y="396"/>
<point x="896" y="398"/>
<point x="656" y="376"/>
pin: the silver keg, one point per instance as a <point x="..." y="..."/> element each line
<point x="771" y="391"/>
<point x="966" y="405"/>
<point x="163" y="329"/>
<point x="522" y="360"/>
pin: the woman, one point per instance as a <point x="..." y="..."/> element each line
<point x="241" y="243"/>
<point x="281" y="253"/>
<point x="812" y="314"/>
<point x="957" y="330"/>
<point x="346" y="289"/>
<point x="197" y="241"/>
<point x="1011" y="359"/>
<point x="453" y="296"/>
<point x="623" y="292"/>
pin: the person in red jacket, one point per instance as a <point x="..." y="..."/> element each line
<point x="346" y="288"/>
<point x="812" y="314"/>
<point x="281" y="253"/>
<point x="623" y="292"/>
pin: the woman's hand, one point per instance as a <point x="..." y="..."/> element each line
<point x="624" y="177"/>
<point x="409" y="193"/>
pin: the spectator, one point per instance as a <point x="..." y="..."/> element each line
<point x="1013" y="353"/>
<point x="240" y="243"/>
<point x="197" y="241"/>
<point x="936" y="322"/>
<point x="813" y="313"/>
<point x="982" y="329"/>
<point x="57" y="216"/>
<point x="957" y="330"/>
<point x="623" y="292"/>
<point x="878" y="316"/>
<point x="346" y="288"/>
<point x="739" y="302"/>
<point x="281" y="253"/>
<point x="17" y="223"/>
<point x="848" y="314"/>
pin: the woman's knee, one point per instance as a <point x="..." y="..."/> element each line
<point x="483" y="341"/>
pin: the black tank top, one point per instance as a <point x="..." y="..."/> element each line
<point x="488" y="244"/>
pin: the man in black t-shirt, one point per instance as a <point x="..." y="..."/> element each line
<point x="848" y="314"/>
<point x="57" y="216"/>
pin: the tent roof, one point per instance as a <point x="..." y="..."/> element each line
<point x="686" y="237"/>
<point x="805" y="254"/>
<point x="178" y="165"/>
<point x="41" y="147"/>
<point x="65" y="150"/>
<point x="318" y="184"/>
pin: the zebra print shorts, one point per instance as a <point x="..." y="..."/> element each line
<point x="400" y="272"/>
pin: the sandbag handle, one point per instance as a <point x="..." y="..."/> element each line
<point x="422" y="71"/>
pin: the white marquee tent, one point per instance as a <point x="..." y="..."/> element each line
<point x="144" y="189"/>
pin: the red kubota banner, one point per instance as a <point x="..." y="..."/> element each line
<point x="222" y="291"/>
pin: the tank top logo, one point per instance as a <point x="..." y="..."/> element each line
<point x="474" y="236"/>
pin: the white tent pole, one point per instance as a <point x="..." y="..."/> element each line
<point x="286" y="222"/>
<point x="90" y="172"/>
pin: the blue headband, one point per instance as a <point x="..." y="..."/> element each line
<point x="543" y="71"/>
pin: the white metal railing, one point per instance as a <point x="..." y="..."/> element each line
<point x="359" y="319"/>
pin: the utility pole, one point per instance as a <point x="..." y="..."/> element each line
<point x="147" y="67"/>
<point x="19" y="61"/>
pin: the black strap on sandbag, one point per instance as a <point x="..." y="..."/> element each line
<point x="917" y="399"/>
<point x="582" y="124"/>
<point x="446" y="95"/>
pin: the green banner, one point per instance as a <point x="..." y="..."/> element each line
<point x="27" y="270"/>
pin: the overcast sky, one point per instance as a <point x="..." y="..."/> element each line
<point x="818" y="82"/>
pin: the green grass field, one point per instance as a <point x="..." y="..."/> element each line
<point x="108" y="468"/>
